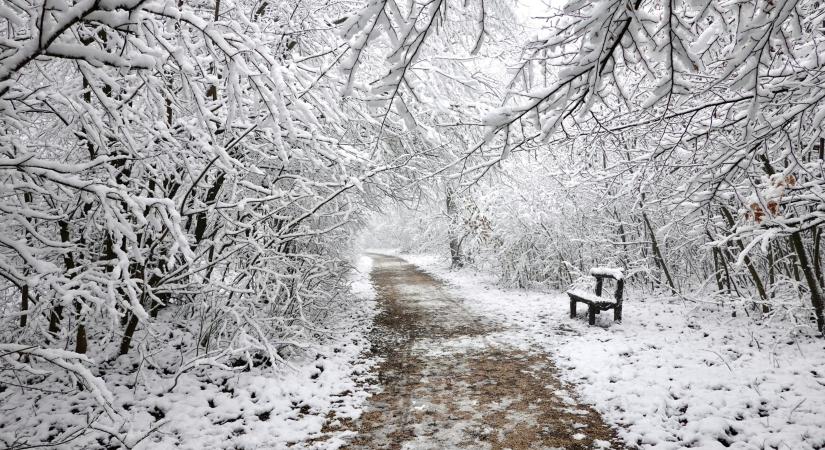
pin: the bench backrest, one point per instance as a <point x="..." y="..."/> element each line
<point x="619" y="285"/>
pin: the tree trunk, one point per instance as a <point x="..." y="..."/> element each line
<point x="455" y="242"/>
<point x="657" y="254"/>
<point x="757" y="281"/>
<point x="717" y="269"/>
<point x="81" y="344"/>
<point x="810" y="278"/>
<point x="817" y="234"/>
<point x="24" y="305"/>
<point x="126" y="341"/>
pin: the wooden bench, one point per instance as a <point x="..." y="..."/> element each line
<point x="596" y="303"/>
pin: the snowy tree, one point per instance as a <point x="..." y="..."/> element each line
<point x="648" y="91"/>
<point x="173" y="170"/>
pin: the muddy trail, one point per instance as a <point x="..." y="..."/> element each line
<point x="445" y="383"/>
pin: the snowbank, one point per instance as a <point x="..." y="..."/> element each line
<point x="215" y="408"/>
<point x="673" y="374"/>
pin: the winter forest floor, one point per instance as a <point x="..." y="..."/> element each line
<point x="448" y="379"/>
<point x="674" y="374"/>
<point x="424" y="357"/>
<point x="464" y="363"/>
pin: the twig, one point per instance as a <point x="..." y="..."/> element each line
<point x="720" y="357"/>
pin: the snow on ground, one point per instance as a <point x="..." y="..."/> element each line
<point x="214" y="408"/>
<point x="673" y="374"/>
<point x="449" y="382"/>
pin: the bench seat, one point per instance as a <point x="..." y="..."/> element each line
<point x="589" y="297"/>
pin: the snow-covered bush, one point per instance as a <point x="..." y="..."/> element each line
<point x="172" y="172"/>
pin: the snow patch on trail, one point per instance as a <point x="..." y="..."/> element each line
<point x="465" y="344"/>
<point x="673" y="374"/>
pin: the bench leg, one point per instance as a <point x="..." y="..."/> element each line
<point x="572" y="309"/>
<point x="617" y="314"/>
<point x="591" y="315"/>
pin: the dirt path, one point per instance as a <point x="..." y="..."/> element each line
<point x="446" y="383"/>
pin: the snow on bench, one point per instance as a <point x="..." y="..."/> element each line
<point x="589" y="296"/>
<point x="594" y="301"/>
<point x="610" y="272"/>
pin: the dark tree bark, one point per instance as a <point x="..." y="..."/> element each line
<point x="131" y="327"/>
<point x="757" y="280"/>
<point x="810" y="279"/>
<point x="657" y="254"/>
